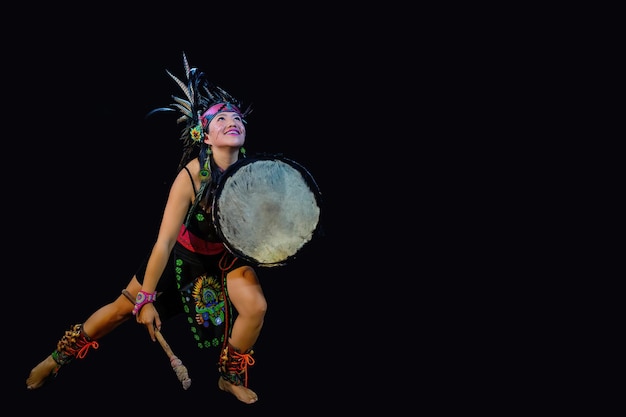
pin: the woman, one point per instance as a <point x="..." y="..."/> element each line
<point x="189" y="268"/>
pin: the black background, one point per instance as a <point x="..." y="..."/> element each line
<point x="86" y="179"/>
<point x="388" y="110"/>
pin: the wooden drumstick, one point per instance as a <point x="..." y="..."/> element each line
<point x="177" y="364"/>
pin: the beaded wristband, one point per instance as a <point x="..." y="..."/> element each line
<point x="143" y="298"/>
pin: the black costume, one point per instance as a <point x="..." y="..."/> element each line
<point x="194" y="280"/>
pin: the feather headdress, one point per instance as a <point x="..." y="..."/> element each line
<point x="199" y="97"/>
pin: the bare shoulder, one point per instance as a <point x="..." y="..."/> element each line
<point x="182" y="179"/>
<point x="194" y="167"/>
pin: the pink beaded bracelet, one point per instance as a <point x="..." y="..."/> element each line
<point x="143" y="298"/>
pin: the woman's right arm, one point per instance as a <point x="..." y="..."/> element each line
<point x="180" y="197"/>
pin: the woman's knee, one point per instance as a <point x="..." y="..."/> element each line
<point x="246" y="293"/>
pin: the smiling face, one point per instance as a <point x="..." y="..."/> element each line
<point x="226" y="129"/>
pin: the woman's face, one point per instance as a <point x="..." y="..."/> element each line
<point x="226" y="130"/>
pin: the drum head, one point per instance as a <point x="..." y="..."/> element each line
<point x="266" y="209"/>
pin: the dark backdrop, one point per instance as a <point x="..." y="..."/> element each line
<point x="86" y="179"/>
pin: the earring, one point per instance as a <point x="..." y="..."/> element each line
<point x="206" y="169"/>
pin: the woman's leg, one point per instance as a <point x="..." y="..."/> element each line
<point x="81" y="337"/>
<point x="246" y="296"/>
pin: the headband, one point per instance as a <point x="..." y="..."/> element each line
<point x="210" y="113"/>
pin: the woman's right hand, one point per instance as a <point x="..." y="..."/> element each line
<point x="149" y="317"/>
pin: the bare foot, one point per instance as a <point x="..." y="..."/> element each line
<point x="40" y="373"/>
<point x="242" y="393"/>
